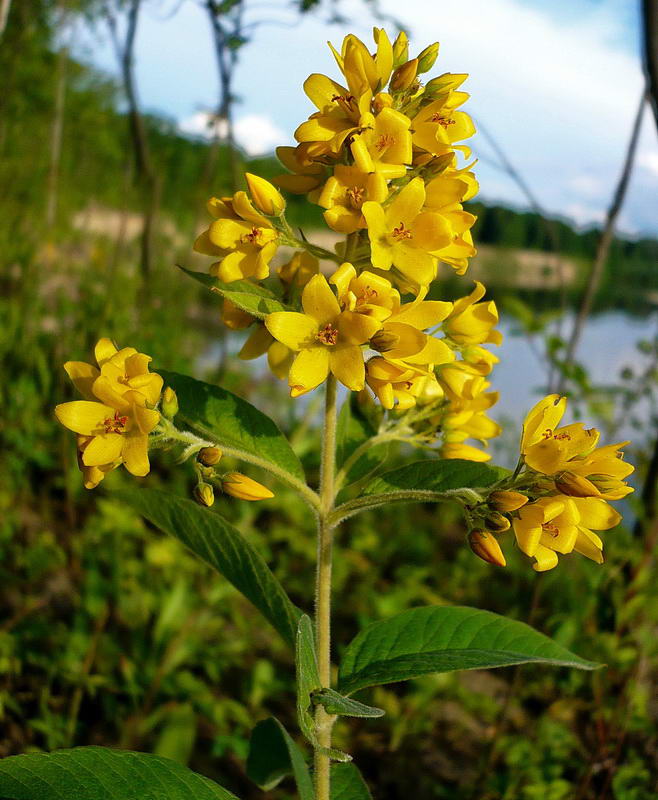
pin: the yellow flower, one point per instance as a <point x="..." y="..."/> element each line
<point x="471" y="322"/>
<point x="571" y="449"/>
<point x="438" y="125"/>
<point x="244" y="240"/>
<point x="117" y="433"/>
<point x="367" y="293"/>
<point x="114" y="420"/>
<point x="344" y="194"/>
<point x="325" y="339"/>
<point x="396" y="384"/>
<point x="463" y="451"/>
<point x="403" y="235"/>
<point x="560" y="524"/>
<point x="444" y="195"/>
<point x="363" y="72"/>
<point x="339" y="110"/>
<point x="382" y="143"/>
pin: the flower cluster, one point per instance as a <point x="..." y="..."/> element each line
<point x="380" y="154"/>
<point x="119" y="411"/>
<point x="125" y="413"/>
<point x="559" y="494"/>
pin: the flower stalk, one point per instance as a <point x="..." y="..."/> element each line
<point x="323" y="720"/>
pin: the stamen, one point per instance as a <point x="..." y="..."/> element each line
<point x="252" y="237"/>
<point x="401" y="232"/>
<point x="551" y="529"/>
<point x="328" y="334"/>
<point x="356" y="196"/>
<point x="345" y="100"/>
<point x="384" y="142"/>
<point x="444" y="122"/>
<point x="115" y="424"/>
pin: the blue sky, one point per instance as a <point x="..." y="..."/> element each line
<point x="556" y="81"/>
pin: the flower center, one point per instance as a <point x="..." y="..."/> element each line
<point x="328" y="334"/>
<point x="551" y="529"/>
<point x="252" y="237"/>
<point x="115" y="424"/>
<point x="402" y="232"/>
<point x="356" y="196"/>
<point x="368" y="295"/>
<point x="384" y="142"/>
<point x="444" y="122"/>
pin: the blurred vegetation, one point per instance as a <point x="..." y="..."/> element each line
<point x="112" y="634"/>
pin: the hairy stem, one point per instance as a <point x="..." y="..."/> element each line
<point x="324" y="721"/>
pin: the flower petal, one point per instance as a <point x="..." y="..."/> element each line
<point x="406" y="206"/>
<point x="347" y="365"/>
<point x="83" y="376"/>
<point x="319" y="302"/>
<point x="104" y="449"/>
<point x="84" y="416"/>
<point x="309" y="369"/>
<point x="291" y="328"/>
<point x="135" y="454"/>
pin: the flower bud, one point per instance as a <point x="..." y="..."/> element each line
<point x="610" y="488"/>
<point x="496" y="522"/>
<point x="244" y="488"/>
<point x="575" y="485"/>
<point x="400" y="49"/>
<point x="506" y="500"/>
<point x="266" y="197"/>
<point x="486" y="547"/>
<point x="209" y="456"/>
<point x="204" y="494"/>
<point x="381" y="101"/>
<point x="427" y="58"/>
<point x="383" y="341"/>
<point x="169" y="404"/>
<point x="404" y="76"/>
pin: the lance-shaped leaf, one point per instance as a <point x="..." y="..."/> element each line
<point x="250" y="297"/>
<point x="98" y="773"/>
<point x="347" y="783"/>
<point x="436" y="475"/>
<point x="235" y="424"/>
<point x="335" y="703"/>
<point x="308" y="682"/>
<point x="443" y="639"/>
<point x="221" y="545"/>
<point x="273" y="754"/>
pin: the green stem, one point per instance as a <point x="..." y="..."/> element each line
<point x="324" y="721"/>
<point x="169" y="433"/>
<point x="359" y="504"/>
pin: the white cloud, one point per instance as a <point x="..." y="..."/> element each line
<point x="584" y="214"/>
<point x="258" y="135"/>
<point x="255" y="133"/>
<point x="648" y="160"/>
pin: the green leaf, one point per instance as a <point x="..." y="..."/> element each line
<point x="250" y="297"/>
<point x="335" y="703"/>
<point x="273" y="754"/>
<point x="234" y="423"/>
<point x="354" y="429"/>
<point x="443" y="639"/>
<point x="436" y="475"/>
<point x="308" y="682"/>
<point x="308" y="677"/>
<point x="222" y="546"/>
<point x="98" y="773"/>
<point x="347" y="783"/>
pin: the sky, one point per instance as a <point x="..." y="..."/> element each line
<point x="556" y="82"/>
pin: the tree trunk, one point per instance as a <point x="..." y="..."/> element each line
<point x="650" y="16"/>
<point x="603" y="248"/>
